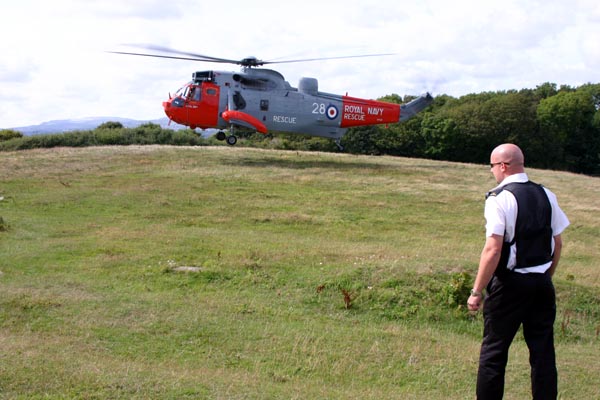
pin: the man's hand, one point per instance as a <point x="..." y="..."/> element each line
<point x="474" y="302"/>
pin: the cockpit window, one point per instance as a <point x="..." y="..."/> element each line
<point x="183" y="91"/>
<point x="189" y="92"/>
<point x="194" y="93"/>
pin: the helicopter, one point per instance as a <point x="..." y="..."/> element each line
<point x="262" y="100"/>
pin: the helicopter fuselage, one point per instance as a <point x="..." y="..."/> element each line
<point x="262" y="100"/>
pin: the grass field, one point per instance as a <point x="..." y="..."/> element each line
<point x="233" y="273"/>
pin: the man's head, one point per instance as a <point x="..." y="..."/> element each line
<point x="505" y="160"/>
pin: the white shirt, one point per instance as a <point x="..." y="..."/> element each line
<point x="501" y="217"/>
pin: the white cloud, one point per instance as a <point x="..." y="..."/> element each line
<point x="54" y="63"/>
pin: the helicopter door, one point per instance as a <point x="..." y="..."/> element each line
<point x="203" y="105"/>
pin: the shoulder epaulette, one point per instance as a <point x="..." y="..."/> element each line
<point x="494" y="192"/>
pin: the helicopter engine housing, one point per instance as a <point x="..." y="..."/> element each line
<point x="308" y="86"/>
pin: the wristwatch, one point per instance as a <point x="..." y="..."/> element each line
<point x="475" y="293"/>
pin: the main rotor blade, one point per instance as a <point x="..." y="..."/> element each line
<point x="247" y="62"/>
<point x="199" y="57"/>
<point x="328" y="58"/>
<point x="173" y="57"/>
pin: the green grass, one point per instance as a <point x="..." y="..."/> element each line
<point x="91" y="304"/>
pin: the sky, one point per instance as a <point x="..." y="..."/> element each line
<point x="54" y="60"/>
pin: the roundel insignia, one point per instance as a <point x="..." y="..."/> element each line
<point x="332" y="111"/>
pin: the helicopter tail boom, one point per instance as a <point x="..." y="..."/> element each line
<point x="411" y="108"/>
<point x="361" y="112"/>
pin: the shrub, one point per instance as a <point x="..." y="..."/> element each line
<point x="110" y="125"/>
<point x="7" y="134"/>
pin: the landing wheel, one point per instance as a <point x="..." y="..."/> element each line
<point x="231" y="140"/>
<point x="221" y="135"/>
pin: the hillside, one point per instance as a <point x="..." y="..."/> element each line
<point x="83" y="124"/>
<point x="228" y="273"/>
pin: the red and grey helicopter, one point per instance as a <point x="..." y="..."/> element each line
<point x="262" y="100"/>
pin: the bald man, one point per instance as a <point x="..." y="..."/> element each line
<point x="521" y="252"/>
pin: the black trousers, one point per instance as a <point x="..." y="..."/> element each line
<point x="515" y="299"/>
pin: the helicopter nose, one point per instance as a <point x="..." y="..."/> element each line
<point x="169" y="110"/>
<point x="175" y="110"/>
<point x="167" y="107"/>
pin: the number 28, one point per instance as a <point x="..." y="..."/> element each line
<point x="318" y="108"/>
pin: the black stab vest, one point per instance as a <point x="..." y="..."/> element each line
<point x="533" y="229"/>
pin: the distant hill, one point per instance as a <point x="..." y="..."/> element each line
<point x="66" y="125"/>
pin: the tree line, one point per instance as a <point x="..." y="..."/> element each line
<point x="557" y="128"/>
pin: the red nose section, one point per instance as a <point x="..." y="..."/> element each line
<point x="175" y="111"/>
<point x="167" y="108"/>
